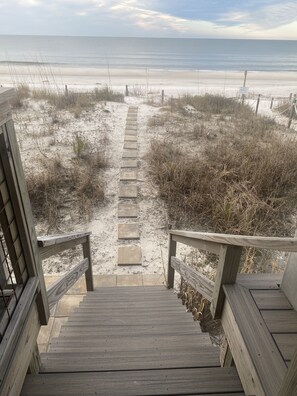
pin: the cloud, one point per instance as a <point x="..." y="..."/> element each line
<point x="148" y="19"/>
<point x="264" y="17"/>
<point x="29" y="3"/>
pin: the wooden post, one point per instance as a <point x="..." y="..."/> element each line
<point x="290" y="97"/>
<point x="244" y="84"/>
<point x="257" y="105"/>
<point x="170" y="270"/>
<point x="292" y="113"/>
<point x="271" y="104"/>
<point x="127" y="91"/>
<point x="163" y="95"/>
<point x="66" y="90"/>
<point x="226" y="274"/>
<point x="89" y="272"/>
<point x="171" y="104"/>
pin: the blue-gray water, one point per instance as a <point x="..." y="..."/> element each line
<point x="152" y="53"/>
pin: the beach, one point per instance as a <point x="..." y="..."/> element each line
<point x="145" y="81"/>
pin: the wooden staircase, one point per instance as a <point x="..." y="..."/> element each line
<point x="132" y="341"/>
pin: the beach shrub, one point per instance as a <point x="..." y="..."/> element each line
<point x="22" y="92"/>
<point x="56" y="186"/>
<point x="241" y="186"/>
<point x="107" y="94"/>
<point x="211" y="104"/>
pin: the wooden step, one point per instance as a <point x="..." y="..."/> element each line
<point x="128" y="360"/>
<point x="135" y="383"/>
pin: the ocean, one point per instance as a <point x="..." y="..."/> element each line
<point x="151" y="53"/>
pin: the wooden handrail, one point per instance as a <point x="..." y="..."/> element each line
<point x="54" y="244"/>
<point x="229" y="249"/>
<point x="272" y="243"/>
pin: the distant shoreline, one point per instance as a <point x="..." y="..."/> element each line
<point x="193" y="81"/>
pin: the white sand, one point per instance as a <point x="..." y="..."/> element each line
<point x="151" y="80"/>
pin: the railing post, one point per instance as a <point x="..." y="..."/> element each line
<point x="35" y="362"/>
<point x="170" y="270"/>
<point x="226" y="274"/>
<point x="89" y="271"/>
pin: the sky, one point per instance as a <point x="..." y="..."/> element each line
<point x="250" y="19"/>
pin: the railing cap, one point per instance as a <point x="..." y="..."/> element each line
<point x="272" y="243"/>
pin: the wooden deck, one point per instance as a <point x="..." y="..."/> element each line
<point x="132" y="341"/>
<point x="259" y="320"/>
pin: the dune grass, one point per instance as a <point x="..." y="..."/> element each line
<point x="244" y="183"/>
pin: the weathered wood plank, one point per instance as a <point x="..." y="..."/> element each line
<point x="288" y="284"/>
<point x="271" y="299"/>
<point x="280" y="321"/>
<point x="273" y="243"/>
<point x="57" y="290"/>
<point x="127" y="360"/>
<point x="198" y="281"/>
<point x="287" y="344"/>
<point x="259" y="281"/>
<point x="143" y="382"/>
<point x="197" y="243"/>
<point x="256" y="340"/>
<point x="49" y="240"/>
<point x="51" y="250"/>
<point x="227" y="270"/>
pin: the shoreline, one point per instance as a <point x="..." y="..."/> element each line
<point x="267" y="83"/>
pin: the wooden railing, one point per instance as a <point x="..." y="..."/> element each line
<point x="229" y="250"/>
<point x="52" y="245"/>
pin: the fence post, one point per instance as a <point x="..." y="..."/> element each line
<point x="89" y="271"/>
<point x="258" y="102"/>
<point x="244" y="84"/>
<point x="127" y="91"/>
<point x="271" y="104"/>
<point x="290" y="97"/>
<point x="292" y="113"/>
<point x="163" y="96"/>
<point x="66" y="90"/>
<point x="170" y="270"/>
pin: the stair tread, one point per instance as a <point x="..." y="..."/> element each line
<point x="142" y="382"/>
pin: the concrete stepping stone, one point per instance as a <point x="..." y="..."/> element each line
<point x="128" y="231"/>
<point x="128" y="210"/>
<point x="129" y="255"/>
<point x="130" y="145"/>
<point x="130" y="154"/>
<point x="130" y="138"/>
<point x="128" y="174"/>
<point x="132" y="132"/>
<point x="129" y="163"/>
<point x="128" y="191"/>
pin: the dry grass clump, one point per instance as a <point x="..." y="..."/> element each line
<point x="57" y="186"/>
<point x="66" y="100"/>
<point x="22" y="92"/>
<point x="244" y="186"/>
<point x="212" y="104"/>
